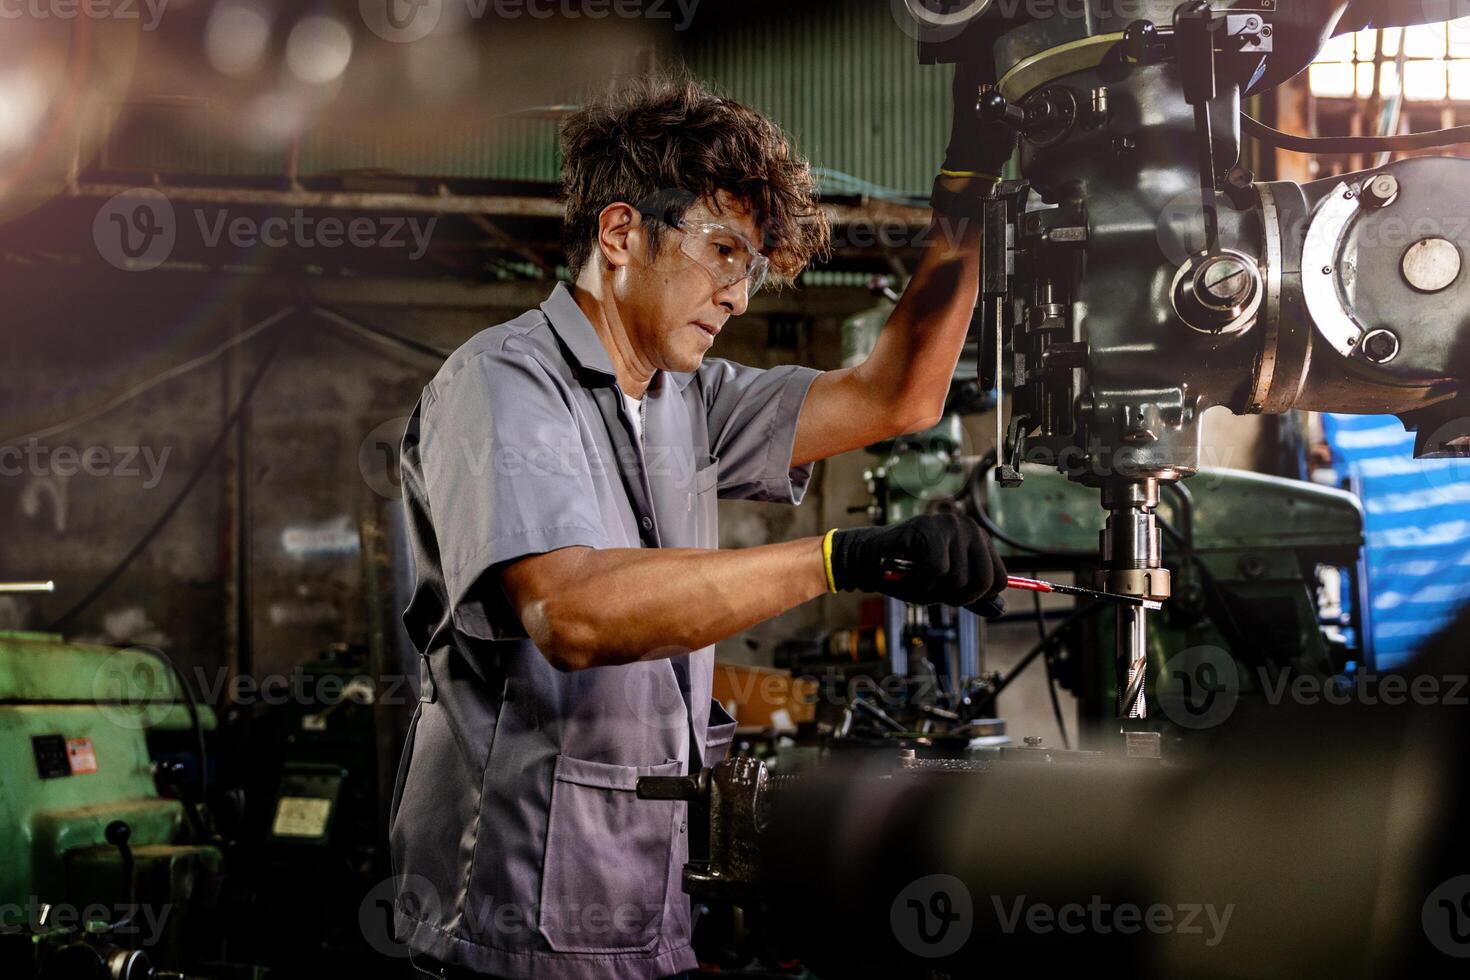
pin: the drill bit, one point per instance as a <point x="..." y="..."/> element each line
<point x="1038" y="585"/>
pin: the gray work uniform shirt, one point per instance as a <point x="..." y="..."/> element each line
<point x="519" y="846"/>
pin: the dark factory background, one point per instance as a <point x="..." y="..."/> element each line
<point x="266" y="559"/>
<point x="263" y="564"/>
<point x="201" y="425"/>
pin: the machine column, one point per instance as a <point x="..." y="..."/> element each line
<point x="1132" y="565"/>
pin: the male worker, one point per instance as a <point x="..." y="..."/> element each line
<point x="560" y="477"/>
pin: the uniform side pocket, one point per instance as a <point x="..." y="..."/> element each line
<point x="605" y="876"/>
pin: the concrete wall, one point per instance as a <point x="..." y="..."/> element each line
<point x="311" y="482"/>
<point x="311" y="463"/>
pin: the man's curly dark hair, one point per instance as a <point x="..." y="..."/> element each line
<point x="670" y="139"/>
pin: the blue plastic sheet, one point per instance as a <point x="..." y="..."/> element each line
<point x="1417" y="529"/>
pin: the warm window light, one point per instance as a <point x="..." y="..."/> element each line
<point x="1365" y="80"/>
<point x="1388" y="79"/>
<point x="1391" y="38"/>
<point x="1459" y="34"/>
<point x="1460" y="81"/>
<point x="1332" y="80"/>
<point x="1424" y="81"/>
<point x="1339" y="48"/>
<point x="1425" y="41"/>
<point x="1436" y="63"/>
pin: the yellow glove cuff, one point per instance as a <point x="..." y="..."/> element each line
<point x="827" y="559"/>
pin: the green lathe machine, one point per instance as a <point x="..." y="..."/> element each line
<point x="95" y="865"/>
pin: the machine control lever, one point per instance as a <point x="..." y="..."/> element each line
<point x="691" y="789"/>
<point x="118" y="834"/>
<point x="14" y="588"/>
<point x="1052" y="110"/>
<point x="1194" y="28"/>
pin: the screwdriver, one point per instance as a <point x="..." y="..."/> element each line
<point x="897" y="569"/>
<point x="1038" y="585"/>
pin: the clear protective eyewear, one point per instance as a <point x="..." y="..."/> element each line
<point x="725" y="253"/>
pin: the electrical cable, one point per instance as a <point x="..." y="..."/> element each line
<point x="1217" y="607"/>
<point x="1186" y="518"/>
<point x="198" y="726"/>
<point x="970" y="495"/>
<point x="379" y="335"/>
<point x="1452" y="136"/>
<point x="65" y="620"/>
<point x="1217" y="604"/>
<point x="549" y="112"/>
<point x="848" y="183"/>
<point x="107" y="581"/>
<point x="1051" y="680"/>
<point x="153" y="382"/>
<point x="195" y="363"/>
<point x="1051" y="638"/>
<point x="1184" y="510"/>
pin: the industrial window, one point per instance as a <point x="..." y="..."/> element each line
<point x="1431" y="60"/>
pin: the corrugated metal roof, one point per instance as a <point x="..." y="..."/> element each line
<point x="844" y="82"/>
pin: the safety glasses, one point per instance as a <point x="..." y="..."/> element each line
<point x="726" y="254"/>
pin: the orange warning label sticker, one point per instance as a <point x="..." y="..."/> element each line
<point x="81" y="755"/>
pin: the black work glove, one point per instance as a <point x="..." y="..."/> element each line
<point x="939" y="558"/>
<point x="978" y="149"/>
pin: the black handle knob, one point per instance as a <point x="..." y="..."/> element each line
<point x="1142" y="42"/>
<point x="997" y="108"/>
<point x="118" y="833"/>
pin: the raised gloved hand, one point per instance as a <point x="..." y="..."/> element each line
<point x="937" y="558"/>
<point x="978" y="149"/>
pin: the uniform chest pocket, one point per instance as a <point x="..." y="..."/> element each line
<point x="704" y="504"/>
<point x="605" y="879"/>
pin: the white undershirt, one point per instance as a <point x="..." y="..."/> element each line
<point x="635" y="412"/>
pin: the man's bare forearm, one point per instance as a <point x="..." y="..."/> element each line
<point x="632" y="604"/>
<point x="902" y="384"/>
<point x="916" y="351"/>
